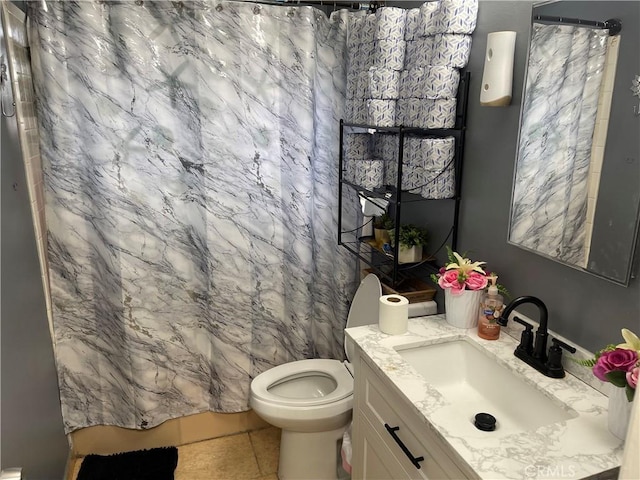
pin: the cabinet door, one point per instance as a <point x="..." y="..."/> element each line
<point x="377" y="461"/>
<point x="379" y="406"/>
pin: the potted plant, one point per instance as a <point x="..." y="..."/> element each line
<point x="411" y="241"/>
<point x="382" y="225"/>
<point x="620" y="366"/>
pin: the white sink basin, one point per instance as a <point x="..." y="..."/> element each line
<point x="471" y="382"/>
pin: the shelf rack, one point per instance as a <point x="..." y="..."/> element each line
<point x="388" y="267"/>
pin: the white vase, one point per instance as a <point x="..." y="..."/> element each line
<point x="462" y="310"/>
<point x="619" y="412"/>
<point x="409" y="254"/>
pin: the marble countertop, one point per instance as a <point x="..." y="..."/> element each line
<point x="576" y="448"/>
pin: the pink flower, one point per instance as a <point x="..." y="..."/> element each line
<point x="476" y="281"/>
<point x="632" y="377"/>
<point x="449" y="279"/>
<point x="618" y="359"/>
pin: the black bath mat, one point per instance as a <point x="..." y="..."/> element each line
<point x="154" y="464"/>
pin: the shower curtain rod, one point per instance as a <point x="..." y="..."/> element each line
<point x="613" y="24"/>
<point x="351" y="5"/>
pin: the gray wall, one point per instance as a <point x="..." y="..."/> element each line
<point x="31" y="426"/>
<point x="586" y="309"/>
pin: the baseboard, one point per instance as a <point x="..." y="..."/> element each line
<point x="107" y="440"/>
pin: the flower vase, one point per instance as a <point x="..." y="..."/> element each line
<point x="409" y="254"/>
<point x="462" y="310"/>
<point x="619" y="413"/>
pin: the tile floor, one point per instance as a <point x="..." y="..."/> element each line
<point x="252" y="455"/>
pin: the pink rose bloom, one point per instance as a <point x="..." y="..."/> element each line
<point x="618" y="359"/>
<point x="449" y="279"/>
<point x="476" y="281"/>
<point x="632" y="377"/>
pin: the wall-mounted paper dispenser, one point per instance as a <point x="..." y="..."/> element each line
<point x="497" y="78"/>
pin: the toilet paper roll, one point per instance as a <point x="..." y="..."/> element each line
<point x="391" y="173"/>
<point x="413" y="154"/>
<point x="439" y="113"/>
<point x="419" y="52"/>
<point x="411" y="25"/>
<point x="390" y="23"/>
<point x="457" y="16"/>
<point x="369" y="26"/>
<point x="412" y="177"/>
<point x="358" y="111"/>
<point x="393" y="317"/>
<point x="439" y="184"/>
<point x="389" y="54"/>
<point x="439" y="152"/>
<point x="357" y="146"/>
<point x="354" y="35"/>
<point x="438" y="81"/>
<point x="353" y="86"/>
<point x="349" y="170"/>
<point x="386" y="147"/>
<point x="451" y="49"/>
<point x="366" y="54"/>
<point x="369" y="174"/>
<point x="381" y="83"/>
<point x="429" y="19"/>
<point x="409" y="111"/>
<point x="381" y="113"/>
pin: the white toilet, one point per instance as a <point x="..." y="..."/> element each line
<point x="311" y="400"/>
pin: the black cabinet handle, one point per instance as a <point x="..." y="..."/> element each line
<point x="415" y="460"/>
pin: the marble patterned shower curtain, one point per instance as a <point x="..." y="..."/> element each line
<point x="558" y="119"/>
<point x="190" y="157"/>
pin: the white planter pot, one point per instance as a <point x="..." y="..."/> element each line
<point x="463" y="310"/>
<point x="409" y="254"/>
<point x="619" y="412"/>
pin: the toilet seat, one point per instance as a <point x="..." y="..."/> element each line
<point x="331" y="368"/>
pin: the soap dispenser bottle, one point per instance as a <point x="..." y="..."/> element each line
<point x="490" y="311"/>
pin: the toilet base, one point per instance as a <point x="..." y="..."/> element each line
<point x="310" y="456"/>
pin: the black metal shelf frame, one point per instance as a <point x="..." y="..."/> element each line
<point x="388" y="194"/>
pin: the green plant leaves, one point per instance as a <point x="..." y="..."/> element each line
<point x="617" y="377"/>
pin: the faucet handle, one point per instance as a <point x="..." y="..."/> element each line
<point x="554" y="363"/>
<point x="559" y="343"/>
<point x="526" y="339"/>
<point x="526" y="325"/>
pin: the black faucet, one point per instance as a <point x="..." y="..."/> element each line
<point x="537" y="356"/>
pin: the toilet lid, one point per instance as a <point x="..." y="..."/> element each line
<point x="364" y="307"/>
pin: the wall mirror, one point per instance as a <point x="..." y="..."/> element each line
<point x="576" y="191"/>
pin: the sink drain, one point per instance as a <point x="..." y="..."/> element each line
<point x="485" y="422"/>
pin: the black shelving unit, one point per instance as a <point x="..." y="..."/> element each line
<point x="385" y="265"/>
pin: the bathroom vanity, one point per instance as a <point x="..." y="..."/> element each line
<point x="414" y="418"/>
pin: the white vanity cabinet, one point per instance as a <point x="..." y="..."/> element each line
<point x="381" y="413"/>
